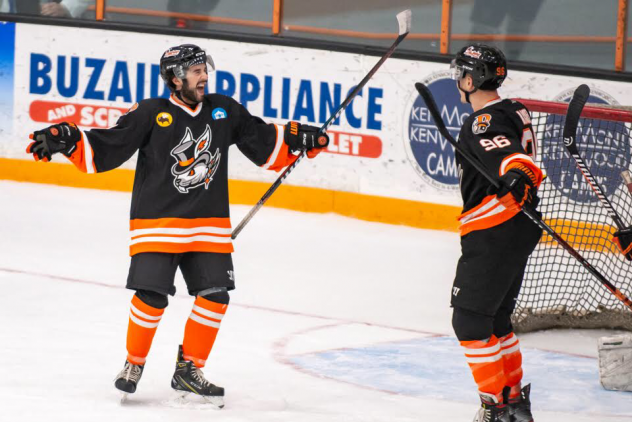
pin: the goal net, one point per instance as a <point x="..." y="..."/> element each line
<point x="557" y="290"/>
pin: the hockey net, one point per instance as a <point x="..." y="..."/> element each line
<point x="557" y="290"/>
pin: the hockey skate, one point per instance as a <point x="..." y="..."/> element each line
<point x="491" y="410"/>
<point x="128" y="378"/>
<point x="190" y="379"/>
<point x="520" y="407"/>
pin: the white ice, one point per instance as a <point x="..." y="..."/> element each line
<point x="333" y="319"/>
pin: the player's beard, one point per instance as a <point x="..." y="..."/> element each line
<point x="189" y="94"/>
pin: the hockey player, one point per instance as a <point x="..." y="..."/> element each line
<point x="180" y="211"/>
<point x="496" y="238"/>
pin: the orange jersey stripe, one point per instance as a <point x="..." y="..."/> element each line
<point x="179" y="223"/>
<point x="488" y="213"/>
<point x="168" y="247"/>
<point x="83" y="156"/>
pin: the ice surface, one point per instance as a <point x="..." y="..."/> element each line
<point x="333" y="319"/>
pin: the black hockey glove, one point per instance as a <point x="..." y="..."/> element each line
<point x="623" y="239"/>
<point x="304" y="137"/>
<point x="516" y="189"/>
<point x="62" y="137"/>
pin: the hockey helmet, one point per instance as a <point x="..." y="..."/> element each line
<point x="177" y="60"/>
<point x="486" y="64"/>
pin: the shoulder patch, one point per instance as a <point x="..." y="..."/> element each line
<point x="219" y="113"/>
<point x="481" y="123"/>
<point x="164" y="119"/>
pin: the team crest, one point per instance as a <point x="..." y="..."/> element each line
<point x="481" y="123"/>
<point x="195" y="165"/>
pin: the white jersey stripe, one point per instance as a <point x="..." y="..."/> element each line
<point x="175" y="230"/>
<point x="87" y="153"/>
<point x="190" y="239"/>
<point x="277" y="147"/>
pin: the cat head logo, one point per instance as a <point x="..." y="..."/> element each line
<point x="195" y="165"/>
<point x="164" y="119"/>
<point x="481" y="123"/>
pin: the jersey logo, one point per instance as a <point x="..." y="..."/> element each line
<point x="481" y="123"/>
<point x="195" y="165"/>
<point x="219" y="113"/>
<point x="164" y="119"/>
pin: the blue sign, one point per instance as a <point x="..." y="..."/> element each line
<point x="7" y="59"/>
<point x="603" y="145"/>
<point x="430" y="153"/>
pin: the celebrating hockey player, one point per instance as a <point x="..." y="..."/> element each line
<point x="496" y="238"/>
<point x="180" y="211"/>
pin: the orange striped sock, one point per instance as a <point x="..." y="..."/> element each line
<point x="201" y="330"/>
<point x="486" y="363"/>
<point x="512" y="362"/>
<point x="143" y="323"/>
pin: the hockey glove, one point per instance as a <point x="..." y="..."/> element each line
<point x="304" y="137"/>
<point x="62" y="137"/>
<point x="623" y="239"/>
<point x="516" y="189"/>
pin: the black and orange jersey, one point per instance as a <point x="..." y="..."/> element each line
<point x="180" y="194"/>
<point x="501" y="137"/>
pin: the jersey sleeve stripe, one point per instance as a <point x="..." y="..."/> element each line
<point x="280" y="151"/>
<point x="83" y="156"/>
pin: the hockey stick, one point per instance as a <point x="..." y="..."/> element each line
<point x="404" y="20"/>
<point x="569" y="134"/>
<point x="434" y="111"/>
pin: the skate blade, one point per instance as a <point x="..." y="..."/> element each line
<point x="124" y="398"/>
<point x="185" y="399"/>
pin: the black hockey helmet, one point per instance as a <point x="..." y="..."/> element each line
<point x="486" y="64"/>
<point x="176" y="60"/>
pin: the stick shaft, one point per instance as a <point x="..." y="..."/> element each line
<point x="323" y="128"/>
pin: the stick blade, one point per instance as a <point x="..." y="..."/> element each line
<point x="404" y="19"/>
<point x="575" y="107"/>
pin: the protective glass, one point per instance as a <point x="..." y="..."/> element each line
<point x="456" y="72"/>
<point x="181" y="71"/>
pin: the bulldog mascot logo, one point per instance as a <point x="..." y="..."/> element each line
<point x="195" y="166"/>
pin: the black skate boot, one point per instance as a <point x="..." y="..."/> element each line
<point x="491" y="410"/>
<point x="190" y="379"/>
<point x="128" y="378"/>
<point x="520" y="407"/>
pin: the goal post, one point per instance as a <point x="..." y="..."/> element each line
<point x="557" y="291"/>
